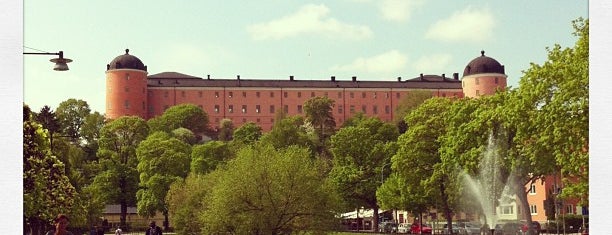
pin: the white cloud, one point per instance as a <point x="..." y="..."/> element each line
<point x="432" y="63"/>
<point x="309" y="19"/>
<point x="469" y="24"/>
<point x="391" y="61"/>
<point x="398" y="10"/>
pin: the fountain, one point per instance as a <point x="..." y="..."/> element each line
<point x="488" y="186"/>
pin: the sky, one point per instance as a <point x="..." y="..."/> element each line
<point x="273" y="39"/>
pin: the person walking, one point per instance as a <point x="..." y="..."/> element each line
<point x="153" y="229"/>
<point x="118" y="231"/>
<point x="61" y="223"/>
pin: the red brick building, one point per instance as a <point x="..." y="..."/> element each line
<point x="131" y="91"/>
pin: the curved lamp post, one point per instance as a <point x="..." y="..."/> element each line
<point x="61" y="63"/>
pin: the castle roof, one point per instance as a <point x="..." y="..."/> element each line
<point x="126" y="61"/>
<point x="483" y="64"/>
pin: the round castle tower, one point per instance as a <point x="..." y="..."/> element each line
<point x="483" y="76"/>
<point x="126" y="87"/>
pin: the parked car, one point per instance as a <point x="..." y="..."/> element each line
<point x="403" y="228"/>
<point x="455" y="228"/>
<point x="534" y="224"/>
<point x="387" y="227"/>
<point x="509" y="228"/>
<point x="417" y="228"/>
<point x="469" y="228"/>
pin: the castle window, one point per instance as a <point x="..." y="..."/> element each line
<point x="477" y="81"/>
<point x="386" y="95"/>
<point x="352" y="95"/>
<point x="271" y="108"/>
<point x="326" y="94"/>
<point x="183" y="94"/>
<point x="143" y="105"/>
<point x="127" y="76"/>
<point x="257" y="94"/>
<point x="340" y="109"/>
<point x="363" y="95"/>
<point x="477" y="92"/>
<point x="258" y="120"/>
<point x="216" y="94"/>
<point x="375" y="109"/>
<point x="230" y="108"/>
<point x="397" y="95"/>
<point x="374" y="95"/>
<point x="352" y="110"/>
<point x="312" y="94"/>
<point x="271" y="94"/>
<point x="363" y="109"/>
<point x="243" y="120"/>
<point x="257" y="108"/>
<point x="299" y="109"/>
<point x="216" y="108"/>
<point x="299" y="94"/>
<point x="285" y="94"/>
<point x="244" y="94"/>
<point x="339" y="95"/>
<point x="231" y="94"/>
<point x="244" y="108"/>
<point x="127" y="89"/>
<point x="286" y="108"/>
<point x="496" y="80"/>
<point x="126" y="104"/>
<point x="387" y="109"/>
<point x="200" y="94"/>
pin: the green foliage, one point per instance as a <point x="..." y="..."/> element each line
<point x="188" y="116"/>
<point x="185" y="201"/>
<point x="118" y="179"/>
<point x="206" y="157"/>
<point x="71" y="115"/>
<point x="226" y="129"/>
<point x="47" y="191"/>
<point x="185" y="135"/>
<point x="409" y="102"/>
<point x="162" y="160"/>
<point x="269" y="191"/>
<point x="247" y="134"/>
<point x="318" y="111"/>
<point x="287" y="132"/>
<point x="556" y="95"/>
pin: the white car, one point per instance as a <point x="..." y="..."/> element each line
<point x="469" y="228"/>
<point x="403" y="228"/>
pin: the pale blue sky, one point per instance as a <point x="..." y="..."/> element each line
<point x="370" y="39"/>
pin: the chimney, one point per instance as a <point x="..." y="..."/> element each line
<point x="456" y="76"/>
<point x="238" y="77"/>
<point x="421" y="77"/>
<point x="354" y="78"/>
<point x="333" y="78"/>
<point x="399" y="79"/>
<point x="291" y="78"/>
<point x="444" y="76"/>
<point x="208" y="76"/>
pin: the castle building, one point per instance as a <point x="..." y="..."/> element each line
<point x="131" y="91"/>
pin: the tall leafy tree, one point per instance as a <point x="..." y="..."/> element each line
<point x="47" y="190"/>
<point x="556" y="97"/>
<point x="418" y="161"/>
<point x="247" y="134"/>
<point x="162" y="160"/>
<point x="118" y="180"/>
<point x="188" y="116"/>
<point x="47" y="118"/>
<point x="265" y="190"/>
<point x="90" y="131"/>
<point x="71" y="114"/>
<point x="206" y="157"/>
<point x="360" y="154"/>
<point x="185" y="202"/>
<point x="318" y="111"/>
<point x="289" y="131"/>
<point x="226" y="129"/>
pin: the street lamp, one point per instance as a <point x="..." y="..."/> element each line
<point x="61" y="63"/>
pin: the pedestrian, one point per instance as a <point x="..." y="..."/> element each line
<point x="61" y="223"/>
<point x="118" y="231"/>
<point x="153" y="229"/>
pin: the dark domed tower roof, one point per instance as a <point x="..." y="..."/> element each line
<point x="483" y="64"/>
<point x="126" y="61"/>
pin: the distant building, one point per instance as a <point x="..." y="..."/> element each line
<point x="131" y="91"/>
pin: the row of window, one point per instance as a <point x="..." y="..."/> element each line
<point x="477" y="81"/>
<point x="299" y="109"/>
<point x="533" y="209"/>
<point x="230" y="94"/>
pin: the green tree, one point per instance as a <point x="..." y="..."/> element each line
<point x="226" y="129"/>
<point x="318" y="111"/>
<point x="47" y="118"/>
<point x="409" y="102"/>
<point x="47" y="191"/>
<point x="162" y="160"/>
<point x="265" y="190"/>
<point x="188" y="116"/>
<point x="90" y="131"/>
<point x="247" y="134"/>
<point x="185" y="135"/>
<point x="556" y="97"/>
<point x="185" y="202"/>
<point x="118" y="180"/>
<point x="360" y="154"/>
<point x="418" y="161"/>
<point x="287" y="132"/>
<point x="71" y="114"/>
<point x="206" y="157"/>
